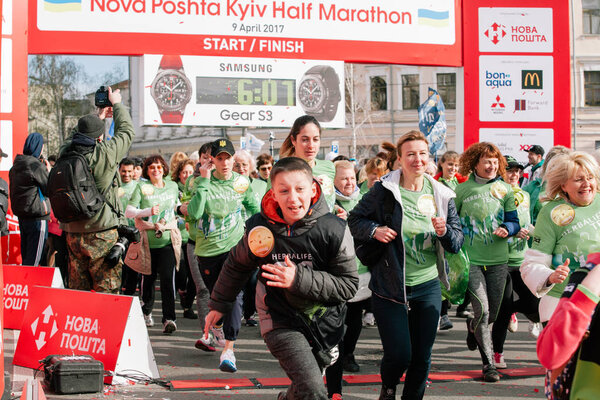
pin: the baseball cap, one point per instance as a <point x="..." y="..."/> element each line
<point x="537" y="149"/>
<point x="222" y="145"/>
<point x="512" y="162"/>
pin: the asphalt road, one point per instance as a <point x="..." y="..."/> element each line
<point x="178" y="360"/>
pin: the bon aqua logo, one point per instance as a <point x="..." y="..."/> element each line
<point x="62" y="5"/>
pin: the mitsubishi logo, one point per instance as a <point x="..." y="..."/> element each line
<point x="498" y="103"/>
<point x="495" y="32"/>
<point x="47" y="326"/>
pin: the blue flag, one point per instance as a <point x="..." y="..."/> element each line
<point x="432" y="121"/>
<point x="111" y="130"/>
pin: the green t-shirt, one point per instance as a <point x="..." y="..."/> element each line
<point x="348" y="203"/>
<point x="516" y="246"/>
<point x="191" y="185"/>
<point x="451" y="183"/>
<point x="481" y="208"/>
<point x="185" y="235"/>
<point x="418" y="235"/>
<point x="259" y="188"/>
<point x="324" y="171"/>
<point x="124" y="194"/>
<point x="563" y="231"/>
<point x="364" y="187"/>
<point x="217" y="208"/>
<point x="147" y="195"/>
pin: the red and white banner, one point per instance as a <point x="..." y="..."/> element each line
<point x="517" y="80"/>
<point x="108" y="327"/>
<point x="18" y="282"/>
<point x="408" y="32"/>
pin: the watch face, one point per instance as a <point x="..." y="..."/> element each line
<point x="312" y="93"/>
<point x="171" y="90"/>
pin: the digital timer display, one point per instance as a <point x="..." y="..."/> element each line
<point x="245" y="91"/>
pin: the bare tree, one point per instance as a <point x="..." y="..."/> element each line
<point x="54" y="94"/>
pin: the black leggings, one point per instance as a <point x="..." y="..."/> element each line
<point x="517" y="298"/>
<point x="163" y="264"/>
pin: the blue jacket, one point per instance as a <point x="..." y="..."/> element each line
<point x="387" y="276"/>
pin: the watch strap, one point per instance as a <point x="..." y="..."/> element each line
<point x="171" y="62"/>
<point x="332" y="83"/>
<point x="171" y="117"/>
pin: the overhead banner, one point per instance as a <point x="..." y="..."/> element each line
<point x="423" y="32"/>
<point x="218" y="91"/>
<point x="517" y="80"/>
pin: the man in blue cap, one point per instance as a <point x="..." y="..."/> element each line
<point x="28" y="179"/>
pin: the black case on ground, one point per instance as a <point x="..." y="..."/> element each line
<point x="73" y="374"/>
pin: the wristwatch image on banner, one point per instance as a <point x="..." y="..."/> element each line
<point x="238" y="92"/>
<point x="171" y="90"/>
<point x="319" y="92"/>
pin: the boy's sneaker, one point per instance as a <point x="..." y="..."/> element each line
<point x="205" y="344"/>
<point x="499" y="360"/>
<point x="169" y="327"/>
<point x="219" y="336"/>
<point x="534" y="328"/>
<point x="471" y="340"/>
<point x="445" y="323"/>
<point x="251" y="322"/>
<point x="369" y="319"/>
<point x="148" y="320"/>
<point x="227" y="361"/>
<point x="513" y="325"/>
<point x="490" y="374"/>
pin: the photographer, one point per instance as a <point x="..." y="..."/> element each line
<point x="90" y="240"/>
<point x="28" y="180"/>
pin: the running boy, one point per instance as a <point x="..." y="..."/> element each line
<point x="308" y="267"/>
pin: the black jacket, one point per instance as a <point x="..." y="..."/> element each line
<point x="28" y="179"/>
<point x="387" y="276"/>
<point x="319" y="244"/>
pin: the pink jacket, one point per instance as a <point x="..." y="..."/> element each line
<point x="562" y="336"/>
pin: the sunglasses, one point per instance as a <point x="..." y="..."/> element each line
<point x="265" y="168"/>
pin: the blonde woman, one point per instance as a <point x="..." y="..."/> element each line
<point x="566" y="230"/>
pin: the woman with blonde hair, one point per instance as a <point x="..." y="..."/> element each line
<point x="175" y="160"/>
<point x="486" y="205"/>
<point x="566" y="230"/>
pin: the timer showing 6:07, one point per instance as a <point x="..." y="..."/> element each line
<point x="245" y="91"/>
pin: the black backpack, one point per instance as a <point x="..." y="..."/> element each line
<point x="72" y="189"/>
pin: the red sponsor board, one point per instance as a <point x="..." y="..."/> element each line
<point x="1" y="318"/>
<point x="19" y="281"/>
<point x="516" y="62"/>
<point x="62" y="321"/>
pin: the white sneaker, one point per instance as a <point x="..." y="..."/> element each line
<point x="513" y="325"/>
<point x="206" y="343"/>
<point x="369" y="319"/>
<point x="227" y="361"/>
<point x="169" y="327"/>
<point x="534" y="328"/>
<point x="148" y="320"/>
<point x="219" y="336"/>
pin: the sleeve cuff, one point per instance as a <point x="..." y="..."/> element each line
<point x="588" y="293"/>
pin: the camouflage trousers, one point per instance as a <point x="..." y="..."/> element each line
<point x="87" y="270"/>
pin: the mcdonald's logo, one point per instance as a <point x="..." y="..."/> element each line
<point x="532" y="79"/>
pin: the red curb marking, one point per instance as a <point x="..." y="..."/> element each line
<point x="210" y="383"/>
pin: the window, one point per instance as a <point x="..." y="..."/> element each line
<point x="596" y="144"/>
<point x="410" y="92"/>
<point x="446" y="87"/>
<point x="591" y="17"/>
<point x="378" y="93"/>
<point x="592" y="88"/>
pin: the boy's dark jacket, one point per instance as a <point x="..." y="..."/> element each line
<point x="319" y="245"/>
